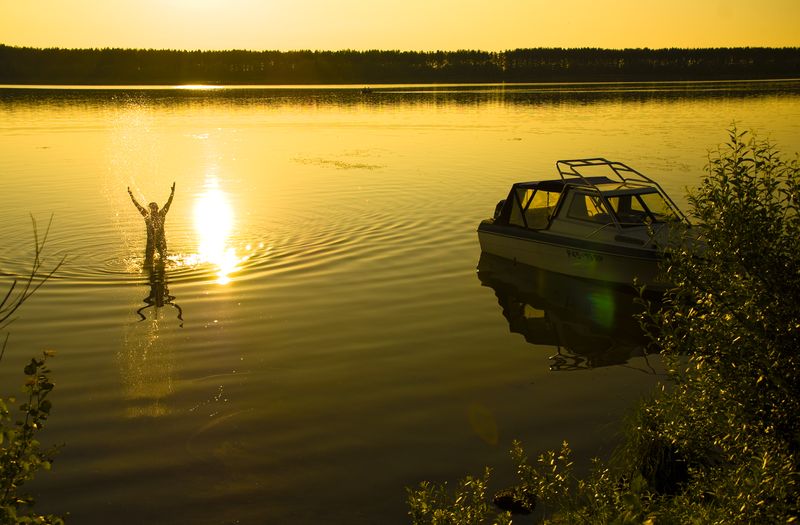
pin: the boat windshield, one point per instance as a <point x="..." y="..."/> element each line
<point x="532" y="208"/>
<point x="641" y="208"/>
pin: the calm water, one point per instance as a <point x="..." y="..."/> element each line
<point x="325" y="338"/>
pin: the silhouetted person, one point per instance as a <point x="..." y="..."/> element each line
<point x="154" y="220"/>
<point x="159" y="292"/>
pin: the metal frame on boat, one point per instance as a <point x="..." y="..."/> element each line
<point x="610" y="226"/>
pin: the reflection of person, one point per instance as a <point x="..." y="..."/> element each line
<point x="154" y="220"/>
<point x="159" y="292"/>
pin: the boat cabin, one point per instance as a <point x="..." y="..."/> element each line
<point x="576" y="202"/>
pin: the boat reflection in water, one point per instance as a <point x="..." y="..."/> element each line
<point x="590" y="323"/>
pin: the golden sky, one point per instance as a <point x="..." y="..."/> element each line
<point x="491" y="25"/>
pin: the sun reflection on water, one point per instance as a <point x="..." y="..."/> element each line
<point x="197" y="87"/>
<point x="214" y="222"/>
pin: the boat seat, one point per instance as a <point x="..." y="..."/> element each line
<point x="578" y="210"/>
<point x="538" y="218"/>
<point x="601" y="218"/>
<point x="633" y="218"/>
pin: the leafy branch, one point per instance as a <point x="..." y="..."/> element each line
<point x="21" y="291"/>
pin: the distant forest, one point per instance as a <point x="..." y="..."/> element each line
<point x="23" y="65"/>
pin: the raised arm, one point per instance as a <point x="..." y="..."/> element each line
<point x="165" y="209"/>
<point x="138" y="206"/>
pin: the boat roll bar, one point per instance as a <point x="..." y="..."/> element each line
<point x="571" y="168"/>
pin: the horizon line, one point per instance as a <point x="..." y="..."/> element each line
<point x="387" y="50"/>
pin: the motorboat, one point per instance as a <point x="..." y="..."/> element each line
<point x="600" y="220"/>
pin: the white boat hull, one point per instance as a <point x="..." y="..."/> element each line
<point x="582" y="259"/>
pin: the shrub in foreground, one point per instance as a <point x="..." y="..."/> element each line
<point x="21" y="454"/>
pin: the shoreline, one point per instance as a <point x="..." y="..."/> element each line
<point x="378" y="87"/>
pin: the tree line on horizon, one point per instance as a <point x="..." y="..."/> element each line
<point x="25" y="65"/>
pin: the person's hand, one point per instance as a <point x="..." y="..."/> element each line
<point x="129" y="190"/>
<point x="173" y="186"/>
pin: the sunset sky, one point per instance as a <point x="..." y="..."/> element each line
<point x="409" y="25"/>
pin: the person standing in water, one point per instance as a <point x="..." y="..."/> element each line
<point x="154" y="221"/>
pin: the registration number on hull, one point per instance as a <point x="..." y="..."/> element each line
<point x="581" y="255"/>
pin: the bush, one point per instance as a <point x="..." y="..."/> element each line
<point x="731" y="417"/>
<point x="432" y="503"/>
<point x="21" y="454"/>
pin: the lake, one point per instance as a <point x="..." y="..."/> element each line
<point x="319" y="337"/>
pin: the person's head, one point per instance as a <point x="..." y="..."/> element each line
<point x="153" y="207"/>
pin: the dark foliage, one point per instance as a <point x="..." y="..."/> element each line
<point x="22" y="65"/>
